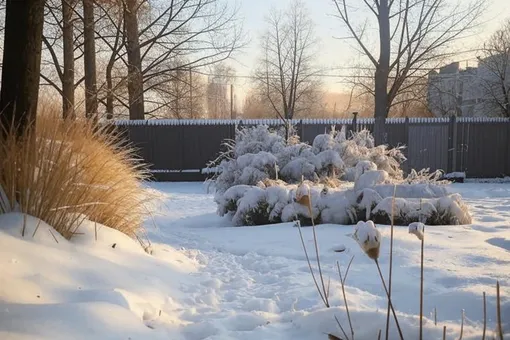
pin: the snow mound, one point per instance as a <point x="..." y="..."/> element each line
<point x="100" y="284"/>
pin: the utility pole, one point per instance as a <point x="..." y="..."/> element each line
<point x="190" y="94"/>
<point x="231" y="101"/>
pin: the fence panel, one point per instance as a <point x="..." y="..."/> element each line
<point x="179" y="150"/>
<point x="428" y="146"/>
<point x="483" y="148"/>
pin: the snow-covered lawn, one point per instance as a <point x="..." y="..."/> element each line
<point x="209" y="280"/>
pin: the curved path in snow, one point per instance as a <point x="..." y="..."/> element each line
<point x="254" y="282"/>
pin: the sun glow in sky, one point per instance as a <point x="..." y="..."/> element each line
<point x="335" y="52"/>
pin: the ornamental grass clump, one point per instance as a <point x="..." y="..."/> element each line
<point x="66" y="171"/>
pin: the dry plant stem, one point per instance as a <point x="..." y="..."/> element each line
<point x="329" y="285"/>
<point x="444" y="332"/>
<point x="391" y="264"/>
<point x="342" y="283"/>
<point x="53" y="235"/>
<point x="435" y="316"/>
<point x="461" y="326"/>
<point x="389" y="301"/>
<point x="347" y="270"/>
<point x="310" y="266"/>
<point x="498" y="311"/>
<point x="316" y="244"/>
<point x="484" y="316"/>
<point x="24" y="225"/>
<point x="421" y="289"/>
<point x="379" y="335"/>
<point x="36" y="228"/>
<point x="341" y="328"/>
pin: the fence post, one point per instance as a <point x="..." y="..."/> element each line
<point x="354" y="123"/>
<point x="452" y="144"/>
<point x="406" y="150"/>
<point x="507" y="170"/>
<point x="301" y="134"/>
<point x="238" y="127"/>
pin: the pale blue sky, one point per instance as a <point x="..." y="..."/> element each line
<point x="334" y="52"/>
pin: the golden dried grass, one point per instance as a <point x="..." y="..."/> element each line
<point x="68" y="171"/>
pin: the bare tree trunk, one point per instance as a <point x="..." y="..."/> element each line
<point x="21" y="64"/>
<point x="135" y="80"/>
<point x="109" y="91"/>
<point x="68" y="47"/>
<point x="90" y="59"/>
<point x="382" y="73"/>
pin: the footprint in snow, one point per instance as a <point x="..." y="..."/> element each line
<point x="500" y="242"/>
<point x="339" y="248"/>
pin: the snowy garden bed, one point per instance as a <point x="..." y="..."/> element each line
<point x="261" y="178"/>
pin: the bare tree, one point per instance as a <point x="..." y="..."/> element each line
<point x="135" y="80"/>
<point x="90" y="59"/>
<point x="141" y="49"/>
<point x="21" y="64"/>
<point x="411" y="34"/>
<point x="287" y="76"/>
<point x="173" y="37"/>
<point x="68" y="52"/>
<point x="494" y="72"/>
<point x="181" y="97"/>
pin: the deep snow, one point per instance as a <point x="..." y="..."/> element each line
<point x="209" y="280"/>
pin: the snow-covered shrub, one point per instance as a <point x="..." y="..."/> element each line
<point x="227" y="202"/>
<point x="254" y="205"/>
<point x="421" y="190"/>
<point x="337" y="207"/>
<point x="360" y="147"/>
<point x="279" y="202"/>
<point x="299" y="209"/>
<point x="370" y="179"/>
<point x="260" y="153"/>
<point x="366" y="201"/>
<point x="448" y="210"/>
<point x="259" y="176"/>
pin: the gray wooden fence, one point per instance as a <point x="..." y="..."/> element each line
<point x="178" y="150"/>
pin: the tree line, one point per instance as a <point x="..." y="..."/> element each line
<point x="116" y="56"/>
<point x="146" y="58"/>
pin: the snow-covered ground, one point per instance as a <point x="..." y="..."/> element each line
<point x="208" y="280"/>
